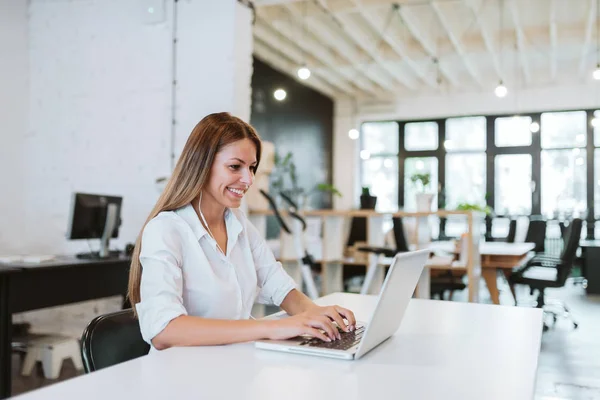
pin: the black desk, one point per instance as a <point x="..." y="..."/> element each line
<point x="26" y="287"/>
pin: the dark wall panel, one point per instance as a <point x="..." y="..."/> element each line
<point x="302" y="123"/>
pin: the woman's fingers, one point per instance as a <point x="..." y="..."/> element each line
<point x="317" y="333"/>
<point x="349" y="315"/>
<point x="335" y="315"/>
<point x="325" y="324"/>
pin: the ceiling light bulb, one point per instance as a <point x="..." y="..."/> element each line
<point x="365" y="155"/>
<point x="420" y="165"/>
<point x="303" y="73"/>
<point x="501" y="90"/>
<point x="595" y="122"/>
<point x="596" y="73"/>
<point x="280" y="94"/>
<point x="353" y="134"/>
<point x="534" y="127"/>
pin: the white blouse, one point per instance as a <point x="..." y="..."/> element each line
<point x="183" y="273"/>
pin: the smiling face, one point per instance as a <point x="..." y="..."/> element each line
<point x="232" y="173"/>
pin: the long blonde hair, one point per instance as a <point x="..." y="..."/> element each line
<point x="191" y="173"/>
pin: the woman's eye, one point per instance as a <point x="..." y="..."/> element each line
<point x="234" y="167"/>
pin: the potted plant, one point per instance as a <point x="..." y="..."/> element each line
<point x="285" y="180"/>
<point x="424" y="200"/>
<point x="367" y="202"/>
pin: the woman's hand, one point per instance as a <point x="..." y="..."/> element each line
<point x="318" y="326"/>
<point x="336" y="314"/>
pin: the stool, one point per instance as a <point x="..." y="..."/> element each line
<point x="51" y="351"/>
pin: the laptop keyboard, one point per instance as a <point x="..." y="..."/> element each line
<point x="347" y="341"/>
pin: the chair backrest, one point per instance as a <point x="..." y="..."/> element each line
<point x="567" y="257"/>
<point x="112" y="339"/>
<point x="358" y="231"/>
<point x="536" y="233"/>
<point x="399" y="235"/>
<point x="512" y="231"/>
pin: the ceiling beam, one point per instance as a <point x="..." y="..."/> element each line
<point x="485" y="35"/>
<point x="398" y="46"/>
<point x="456" y="42"/>
<point x="369" y="46"/>
<point x="521" y="47"/>
<point x="553" y="41"/>
<point x="266" y="54"/>
<point x="295" y="56"/>
<point x="344" y="47"/>
<point x="589" y="26"/>
<point x="426" y="42"/>
<point x="312" y="47"/>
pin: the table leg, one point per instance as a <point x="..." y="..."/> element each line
<point x="5" y="338"/>
<point x="491" y="280"/>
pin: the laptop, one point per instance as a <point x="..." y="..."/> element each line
<point x="397" y="290"/>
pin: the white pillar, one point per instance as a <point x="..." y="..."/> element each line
<point x="14" y="94"/>
<point x="214" y="62"/>
<point x="346" y="167"/>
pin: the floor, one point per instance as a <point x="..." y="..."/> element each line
<point x="569" y="363"/>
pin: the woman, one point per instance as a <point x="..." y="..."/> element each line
<point x="199" y="263"/>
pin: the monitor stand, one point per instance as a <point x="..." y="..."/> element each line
<point x="109" y="226"/>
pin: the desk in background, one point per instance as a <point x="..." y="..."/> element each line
<point x="65" y="280"/>
<point x="443" y="350"/>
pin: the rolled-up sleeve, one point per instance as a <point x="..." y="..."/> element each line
<point x="162" y="283"/>
<point x="273" y="281"/>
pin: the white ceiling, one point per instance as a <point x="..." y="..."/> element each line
<point x="385" y="50"/>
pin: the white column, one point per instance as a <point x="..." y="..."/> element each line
<point x="214" y="62"/>
<point x="345" y="157"/>
<point x="14" y="92"/>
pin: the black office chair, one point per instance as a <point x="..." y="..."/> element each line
<point x="112" y="339"/>
<point x="543" y="272"/>
<point x="510" y="237"/>
<point x="399" y="240"/>
<point x="536" y="233"/>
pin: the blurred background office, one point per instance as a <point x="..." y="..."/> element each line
<point x="486" y="105"/>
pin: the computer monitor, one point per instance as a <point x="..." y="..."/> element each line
<point x="95" y="216"/>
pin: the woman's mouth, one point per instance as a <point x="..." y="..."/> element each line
<point x="237" y="192"/>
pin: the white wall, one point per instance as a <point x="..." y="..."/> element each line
<point x="14" y="94"/>
<point x="97" y="114"/>
<point x="346" y="178"/>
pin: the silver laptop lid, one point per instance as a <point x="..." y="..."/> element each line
<point x="396" y="292"/>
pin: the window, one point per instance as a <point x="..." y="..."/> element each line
<point x="466" y="133"/>
<point x="597" y="185"/>
<point x="380" y="137"/>
<point x="465" y="161"/>
<point x="563" y="182"/>
<point x="563" y="129"/>
<point x="421" y="136"/>
<point x="465" y="179"/>
<point x="419" y="165"/>
<point x="512" y="131"/>
<point x="380" y="174"/>
<point x="512" y="176"/>
<point x="379" y="169"/>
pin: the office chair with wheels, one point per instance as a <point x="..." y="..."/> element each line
<point x="536" y="233"/>
<point x="510" y="237"/>
<point x="112" y="339"/>
<point x="544" y="272"/>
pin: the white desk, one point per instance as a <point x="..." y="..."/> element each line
<point x="443" y="350"/>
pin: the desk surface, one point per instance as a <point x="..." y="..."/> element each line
<point x="443" y="350"/>
<point x="63" y="261"/>
<point x="490" y="248"/>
